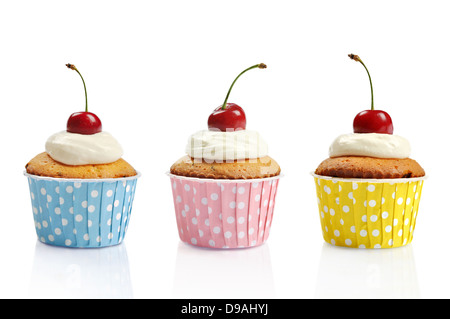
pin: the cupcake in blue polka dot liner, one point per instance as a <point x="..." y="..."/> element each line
<point x="81" y="189"/>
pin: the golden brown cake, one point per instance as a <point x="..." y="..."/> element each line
<point x="44" y="165"/>
<point x="369" y="167"/>
<point x="248" y="169"/>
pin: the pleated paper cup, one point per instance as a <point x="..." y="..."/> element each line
<point x="219" y="213"/>
<point x="368" y="213"/>
<point x="82" y="213"/>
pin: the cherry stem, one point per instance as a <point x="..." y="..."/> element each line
<point x="260" y="66"/>
<point x="358" y="59"/>
<point x="73" y="67"/>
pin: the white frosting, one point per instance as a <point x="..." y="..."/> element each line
<point x="79" y="149"/>
<point x="226" y="146"/>
<point x="370" y="144"/>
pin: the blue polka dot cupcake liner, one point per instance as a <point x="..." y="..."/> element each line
<point x="81" y="213"/>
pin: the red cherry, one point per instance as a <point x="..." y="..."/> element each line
<point x="232" y="118"/>
<point x="84" y="123"/>
<point x="373" y="121"/>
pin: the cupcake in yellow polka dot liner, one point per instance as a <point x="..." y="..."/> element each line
<point x="81" y="189"/>
<point x="368" y="190"/>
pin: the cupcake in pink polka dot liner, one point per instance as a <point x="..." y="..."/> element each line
<point x="81" y="189"/>
<point x="369" y="189"/>
<point x="224" y="188"/>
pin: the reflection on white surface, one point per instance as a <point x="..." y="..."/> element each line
<point x="214" y="273"/>
<point x="60" y="272"/>
<point x="367" y="273"/>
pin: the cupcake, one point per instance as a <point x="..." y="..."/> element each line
<point x="224" y="188"/>
<point x="369" y="188"/>
<point x="81" y="189"/>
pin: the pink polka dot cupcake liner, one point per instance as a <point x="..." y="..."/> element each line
<point x="217" y="213"/>
<point x="368" y="213"/>
<point x="81" y="213"/>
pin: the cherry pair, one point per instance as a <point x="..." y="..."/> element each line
<point x="231" y="117"/>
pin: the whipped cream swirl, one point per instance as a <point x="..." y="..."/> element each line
<point x="370" y="144"/>
<point x="79" y="149"/>
<point x="217" y="146"/>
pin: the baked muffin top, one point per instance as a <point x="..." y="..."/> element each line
<point x="369" y="167"/>
<point x="44" y="165"/>
<point x="239" y="169"/>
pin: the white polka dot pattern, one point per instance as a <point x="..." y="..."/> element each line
<point x="224" y="214"/>
<point x="91" y="213"/>
<point x="362" y="214"/>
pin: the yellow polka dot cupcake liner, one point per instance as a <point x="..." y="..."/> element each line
<point x="368" y="213"/>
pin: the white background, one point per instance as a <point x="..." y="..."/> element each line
<point x="154" y="72"/>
